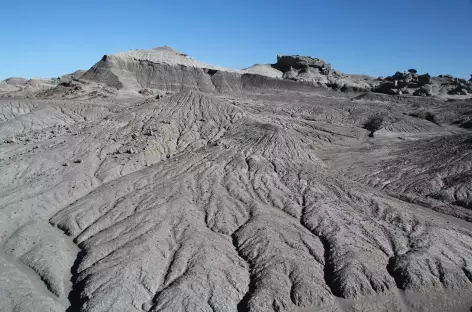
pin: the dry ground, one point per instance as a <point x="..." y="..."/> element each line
<point x="272" y="201"/>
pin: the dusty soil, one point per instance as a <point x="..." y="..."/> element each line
<point x="258" y="200"/>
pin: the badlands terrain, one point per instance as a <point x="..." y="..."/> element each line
<point x="155" y="182"/>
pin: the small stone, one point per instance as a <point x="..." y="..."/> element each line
<point x="78" y="161"/>
<point x="12" y="140"/>
<point x="65" y="164"/>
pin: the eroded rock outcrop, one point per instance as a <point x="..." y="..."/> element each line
<point x="166" y="69"/>
<point x="319" y="73"/>
<point x="410" y="83"/>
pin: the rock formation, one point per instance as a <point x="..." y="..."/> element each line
<point x="410" y="83"/>
<point x="166" y="69"/>
<point x="157" y="183"/>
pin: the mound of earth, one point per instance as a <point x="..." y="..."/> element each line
<point x="154" y="182"/>
<point x="23" y="87"/>
<point x="264" y="70"/>
<point x="16" y="81"/>
<point x="72" y="76"/>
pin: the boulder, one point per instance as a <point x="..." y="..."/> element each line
<point x="446" y="76"/>
<point x="425" y="90"/>
<point x="290" y="74"/>
<point x="460" y="81"/>
<point x="406" y="83"/>
<point x="399" y="76"/>
<point x="424" y="79"/>
<point x="407" y="91"/>
<point x="284" y="62"/>
<point x="387" y="87"/>
<point x="460" y="90"/>
<point x="410" y="77"/>
<point x="146" y="92"/>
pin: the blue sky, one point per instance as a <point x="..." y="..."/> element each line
<point x="378" y="37"/>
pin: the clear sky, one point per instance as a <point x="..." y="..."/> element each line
<point x="377" y="37"/>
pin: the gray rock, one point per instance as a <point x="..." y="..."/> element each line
<point x="146" y="92"/>
<point x="285" y="62"/>
<point x="423" y="91"/>
<point x="388" y="87"/>
<point x="16" y="81"/>
<point x="461" y="89"/>
<point x="424" y="79"/>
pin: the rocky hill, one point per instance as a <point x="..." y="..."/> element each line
<point x="166" y="69"/>
<point x="169" y="70"/>
<point x="154" y="182"/>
